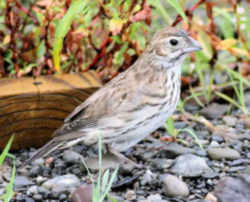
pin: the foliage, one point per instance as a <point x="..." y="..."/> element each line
<point x="98" y="35"/>
<point x="9" y="188"/>
<point x="45" y="36"/>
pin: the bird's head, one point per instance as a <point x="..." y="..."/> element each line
<point x="170" y="46"/>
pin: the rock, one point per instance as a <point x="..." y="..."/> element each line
<point x="22" y="181"/>
<point x="230" y="120"/>
<point x="32" y="190"/>
<point x="233" y="189"/>
<point x="35" y="170"/>
<point x="148" y="177"/>
<point x="247" y="98"/>
<point x="40" y="179"/>
<point x="214" y="110"/>
<point x="44" y="192"/>
<point x="108" y="161"/>
<point x="173" y="149"/>
<point x="217" y="139"/>
<point x="174" y="187"/>
<point x="82" y="194"/>
<point x="223" y="153"/>
<point x="189" y="165"/>
<point x="62" y="183"/>
<point x="38" y="197"/>
<point x="130" y="195"/>
<point x="70" y="156"/>
<point x="154" y="198"/>
<point x="161" y="163"/>
<point x="38" y="162"/>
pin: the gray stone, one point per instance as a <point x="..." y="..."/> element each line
<point x="82" y="193"/>
<point x="174" y="149"/>
<point x="148" y="177"/>
<point x="108" y="161"/>
<point x="214" y="110"/>
<point x="233" y="189"/>
<point x="230" y="120"/>
<point x="70" y="156"/>
<point x="39" y="162"/>
<point x="32" y="190"/>
<point x="38" y="197"/>
<point x="22" y="181"/>
<point x="223" y="153"/>
<point x="62" y="183"/>
<point x="161" y="163"/>
<point x="153" y="198"/>
<point x="189" y="165"/>
<point x="174" y="187"/>
<point x="40" y="179"/>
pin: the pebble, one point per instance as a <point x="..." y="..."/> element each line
<point x="62" y="183"/>
<point x="189" y="165"/>
<point x="22" y="181"/>
<point x="108" y="161"/>
<point x="32" y="190"/>
<point x="153" y="198"/>
<point x="232" y="189"/>
<point x="238" y="162"/>
<point x="38" y="197"/>
<point x="230" y="120"/>
<point x="40" y="179"/>
<point x="173" y="149"/>
<point x="217" y="138"/>
<point x="174" y="187"/>
<point x="82" y="193"/>
<point x="223" y="153"/>
<point x="35" y="171"/>
<point x="38" y="162"/>
<point x="43" y="191"/>
<point x="148" y="177"/>
<point x="130" y="195"/>
<point x="214" y="110"/>
<point x="162" y="164"/>
<point x="70" y="156"/>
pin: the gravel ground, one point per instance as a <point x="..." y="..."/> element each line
<point x="171" y="172"/>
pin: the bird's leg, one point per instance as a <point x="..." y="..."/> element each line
<point x="123" y="158"/>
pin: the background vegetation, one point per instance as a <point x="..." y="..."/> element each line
<point x="41" y="37"/>
<point x="108" y="36"/>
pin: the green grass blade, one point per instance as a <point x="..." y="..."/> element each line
<point x="105" y="179"/>
<point x="63" y="27"/>
<point x="178" y="8"/>
<point x="112" y="178"/>
<point x="170" y="126"/>
<point x="9" y="188"/>
<point x="189" y="131"/>
<point x="6" y="150"/>
<point x="230" y="100"/>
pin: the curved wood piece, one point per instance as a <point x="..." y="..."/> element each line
<point x="32" y="108"/>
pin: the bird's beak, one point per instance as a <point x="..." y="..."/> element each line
<point x="193" y="45"/>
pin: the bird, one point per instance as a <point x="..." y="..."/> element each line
<point x="132" y="105"/>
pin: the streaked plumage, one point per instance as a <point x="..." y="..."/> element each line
<point x="135" y="103"/>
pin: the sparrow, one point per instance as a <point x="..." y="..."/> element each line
<point x="133" y="104"/>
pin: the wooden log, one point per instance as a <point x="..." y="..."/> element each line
<point x="32" y="108"/>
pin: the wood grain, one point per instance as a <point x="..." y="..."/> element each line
<point x="32" y="108"/>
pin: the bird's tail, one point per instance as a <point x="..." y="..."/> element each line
<point x="44" y="151"/>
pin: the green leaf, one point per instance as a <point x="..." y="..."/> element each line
<point x="63" y="27"/>
<point x="178" y="8"/>
<point x="170" y="126"/>
<point x="9" y="188"/>
<point x="6" y="150"/>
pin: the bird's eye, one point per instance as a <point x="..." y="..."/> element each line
<point x="173" y="42"/>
